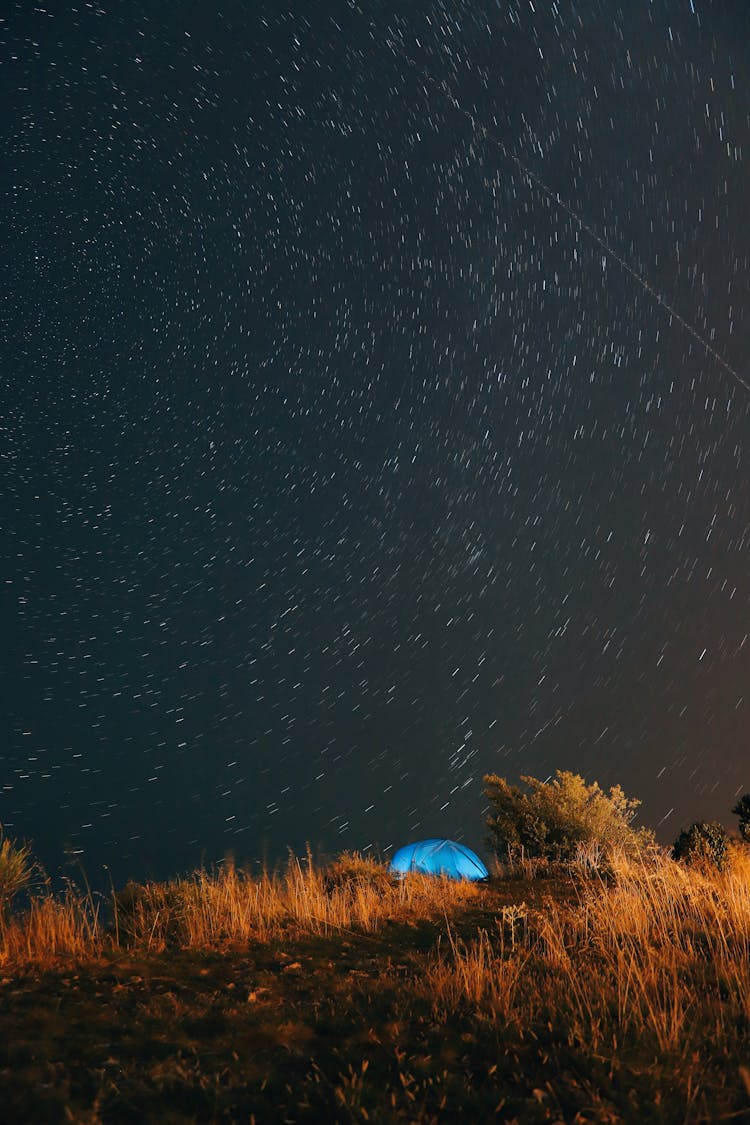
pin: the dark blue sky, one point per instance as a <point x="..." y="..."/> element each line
<point x="339" y="466"/>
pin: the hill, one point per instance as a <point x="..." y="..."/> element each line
<point x="339" y="995"/>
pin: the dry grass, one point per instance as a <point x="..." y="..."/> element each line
<point x="50" y="927"/>
<point x="232" y="906"/>
<point x="227" y="907"/>
<point x="616" y="997"/>
<point x="656" y="962"/>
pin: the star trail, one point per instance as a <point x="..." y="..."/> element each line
<point x="341" y="464"/>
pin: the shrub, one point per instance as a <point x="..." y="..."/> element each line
<point x="742" y="810"/>
<point x="16" y="870"/>
<point x="557" y="820"/>
<point x="351" y="870"/>
<point x="149" y="913"/>
<point x="702" y="845"/>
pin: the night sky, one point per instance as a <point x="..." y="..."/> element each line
<point x="340" y="466"/>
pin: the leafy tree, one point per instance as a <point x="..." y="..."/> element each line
<point x="742" y="810"/>
<point x="703" y="845"/>
<point x="554" y="819"/>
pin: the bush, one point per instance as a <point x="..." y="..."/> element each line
<point x="351" y="870"/>
<point x="742" y="810"/>
<point x="151" y="912"/>
<point x="703" y="845"/>
<point x="558" y="820"/>
<point x="16" y="870"/>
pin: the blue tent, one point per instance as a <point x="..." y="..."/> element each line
<point x="439" y="857"/>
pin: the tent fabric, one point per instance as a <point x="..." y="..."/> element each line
<point x="439" y="857"/>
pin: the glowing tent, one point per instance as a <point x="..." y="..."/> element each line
<point x="439" y="857"/>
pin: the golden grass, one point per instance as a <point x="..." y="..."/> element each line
<point x="229" y="906"/>
<point x="233" y="906"/>
<point x="52" y="926"/>
<point x="660" y="957"/>
<point x="620" y="990"/>
<point x="642" y="951"/>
